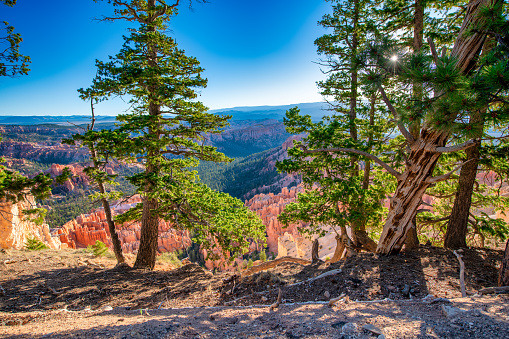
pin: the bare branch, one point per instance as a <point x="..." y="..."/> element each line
<point x="391" y="108"/>
<point x="446" y="176"/>
<point x="456" y="148"/>
<point x="351" y="150"/>
<point x="433" y="50"/>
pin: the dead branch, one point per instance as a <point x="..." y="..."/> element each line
<point x="323" y="275"/>
<point x="351" y="150"/>
<point x="278" y="302"/>
<point x="497" y="290"/>
<point x="2" y="291"/>
<point x="446" y="176"/>
<point x="408" y="136"/>
<point x="333" y="301"/>
<point x="52" y="290"/>
<point x="273" y="263"/>
<point x="456" y="148"/>
<point x="462" y="274"/>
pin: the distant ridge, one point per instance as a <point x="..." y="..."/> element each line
<point x="315" y="109"/>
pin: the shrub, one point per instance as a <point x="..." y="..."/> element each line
<point x="34" y="244"/>
<point x="98" y="249"/>
<point x="263" y="256"/>
<point x="250" y="263"/>
<point x="170" y="257"/>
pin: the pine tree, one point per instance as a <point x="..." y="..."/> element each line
<point x="165" y="134"/>
<point x="337" y="192"/>
<point x="448" y="98"/>
<point x="12" y="63"/>
<point x="100" y="145"/>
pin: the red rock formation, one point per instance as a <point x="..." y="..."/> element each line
<point x="268" y="207"/>
<point x="15" y="228"/>
<point x="86" y="229"/>
<point x="43" y="152"/>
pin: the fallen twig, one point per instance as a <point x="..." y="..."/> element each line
<point x="2" y="291"/>
<point x="52" y="290"/>
<point x="323" y="275"/>
<point x="335" y="300"/>
<point x="491" y="290"/>
<point x="462" y="274"/>
<point x="278" y="302"/>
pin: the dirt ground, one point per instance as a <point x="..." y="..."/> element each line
<point x="57" y="294"/>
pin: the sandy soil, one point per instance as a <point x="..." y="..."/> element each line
<point x="57" y="294"/>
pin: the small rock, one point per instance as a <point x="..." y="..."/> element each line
<point x="212" y="318"/>
<point x="391" y="288"/>
<point x="406" y="290"/>
<point x="381" y="336"/>
<point x="451" y="311"/>
<point x="349" y="328"/>
<point x="264" y="299"/>
<point x="327" y="294"/>
<point x="372" y="328"/>
<point x="106" y="308"/>
<point x="338" y="324"/>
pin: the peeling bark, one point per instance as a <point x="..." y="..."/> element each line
<point x="423" y="154"/>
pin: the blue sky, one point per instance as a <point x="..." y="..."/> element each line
<point x="255" y="52"/>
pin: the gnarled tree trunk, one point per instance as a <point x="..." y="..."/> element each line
<point x="423" y="154"/>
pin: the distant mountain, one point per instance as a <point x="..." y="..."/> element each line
<point x="315" y="109"/>
<point x="48" y="119"/>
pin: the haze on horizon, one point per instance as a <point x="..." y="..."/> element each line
<point x="255" y="53"/>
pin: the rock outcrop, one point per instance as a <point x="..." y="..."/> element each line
<point x="42" y="152"/>
<point x="15" y="227"/>
<point x="86" y="229"/>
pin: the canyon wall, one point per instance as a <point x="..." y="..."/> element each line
<point x="15" y="228"/>
<point x="43" y="153"/>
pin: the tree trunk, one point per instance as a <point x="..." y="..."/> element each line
<point x="340" y="248"/>
<point x="146" y="258"/>
<point x="423" y="155"/>
<point x="503" y="277"/>
<point x="411" y="187"/>
<point x="412" y="241"/>
<point x="314" y="252"/>
<point x="455" y="236"/>
<point x="117" y="246"/>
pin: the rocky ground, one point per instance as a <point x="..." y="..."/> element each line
<point x="57" y="294"/>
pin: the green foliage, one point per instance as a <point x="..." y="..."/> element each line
<point x="164" y="131"/>
<point x="99" y="249"/>
<point x="250" y="263"/>
<point x="34" y="244"/>
<point x="263" y="256"/>
<point x="170" y="257"/>
<point x="12" y="63"/>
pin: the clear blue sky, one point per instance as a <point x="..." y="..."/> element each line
<point x="255" y="52"/>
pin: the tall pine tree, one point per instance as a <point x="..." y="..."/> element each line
<point x="165" y="131"/>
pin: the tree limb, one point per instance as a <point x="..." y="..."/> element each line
<point x="391" y="108"/>
<point x="446" y="176"/>
<point x="351" y="150"/>
<point x="456" y="148"/>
